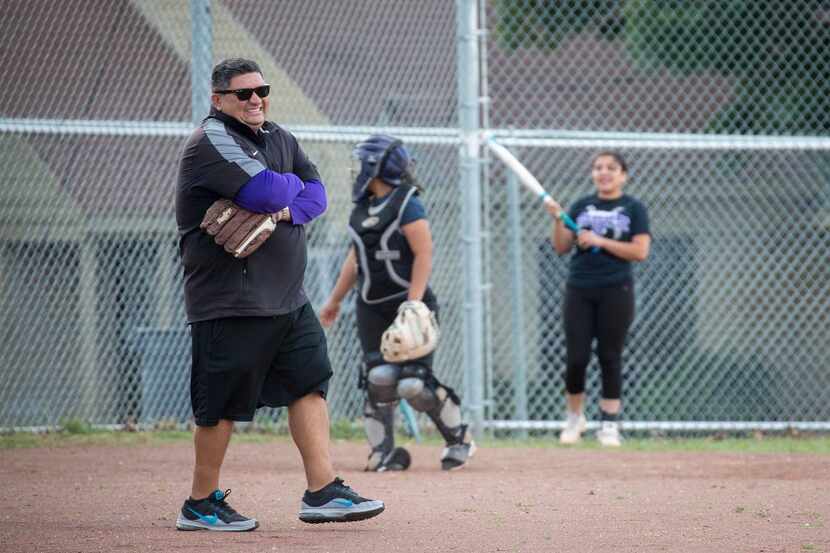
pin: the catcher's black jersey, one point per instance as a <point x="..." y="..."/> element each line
<point x="218" y="159"/>
<point x="383" y="254"/>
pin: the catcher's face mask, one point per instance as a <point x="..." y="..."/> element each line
<point x="382" y="157"/>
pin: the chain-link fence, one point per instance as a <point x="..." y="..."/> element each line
<point x="721" y="107"/>
<point x="732" y="303"/>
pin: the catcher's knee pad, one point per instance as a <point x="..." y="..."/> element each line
<point x="382" y="383"/>
<point x="412" y="382"/>
<point x="420" y="393"/>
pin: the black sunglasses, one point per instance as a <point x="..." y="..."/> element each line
<point x="244" y="94"/>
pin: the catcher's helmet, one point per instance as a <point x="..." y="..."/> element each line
<point x="384" y="157"/>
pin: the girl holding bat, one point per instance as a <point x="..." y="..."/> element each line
<point x="599" y="297"/>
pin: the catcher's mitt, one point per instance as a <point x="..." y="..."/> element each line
<point x="239" y="231"/>
<point x="413" y="334"/>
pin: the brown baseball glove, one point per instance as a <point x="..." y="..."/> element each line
<point x="239" y="231"/>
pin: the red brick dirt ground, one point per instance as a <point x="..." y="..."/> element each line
<point x="125" y="499"/>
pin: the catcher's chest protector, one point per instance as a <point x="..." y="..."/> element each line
<point x="383" y="253"/>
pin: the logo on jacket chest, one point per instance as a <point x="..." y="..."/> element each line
<point x="370" y="221"/>
<point x="255" y="153"/>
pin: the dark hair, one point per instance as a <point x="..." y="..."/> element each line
<point x="615" y="156"/>
<point x="226" y="70"/>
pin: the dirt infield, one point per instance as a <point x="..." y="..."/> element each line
<point x="123" y="499"/>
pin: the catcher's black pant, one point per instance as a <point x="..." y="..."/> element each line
<point x="605" y="314"/>
<point x="374" y="319"/>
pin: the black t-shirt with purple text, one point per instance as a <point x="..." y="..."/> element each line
<point x="618" y="219"/>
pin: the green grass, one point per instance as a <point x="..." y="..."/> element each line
<point x="76" y="433"/>
<point x="92" y="437"/>
<point x="117" y="438"/>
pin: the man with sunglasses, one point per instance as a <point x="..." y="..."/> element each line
<point x="255" y="339"/>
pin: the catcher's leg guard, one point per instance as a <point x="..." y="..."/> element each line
<point x="382" y="383"/>
<point x="443" y="407"/>
<point x="460" y="444"/>
<point x="379" y="420"/>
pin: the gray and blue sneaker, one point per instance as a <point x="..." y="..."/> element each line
<point x="337" y="502"/>
<point x="213" y="513"/>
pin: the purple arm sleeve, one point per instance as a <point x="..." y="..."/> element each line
<point x="269" y="192"/>
<point x="310" y="203"/>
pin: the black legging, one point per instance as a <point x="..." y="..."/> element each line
<point x="605" y="314"/>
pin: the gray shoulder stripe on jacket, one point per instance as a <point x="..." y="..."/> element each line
<point x="229" y="149"/>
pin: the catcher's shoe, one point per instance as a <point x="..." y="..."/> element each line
<point x="609" y="434"/>
<point x="213" y="513"/>
<point x="397" y="459"/>
<point x="337" y="502"/>
<point x="456" y="456"/>
<point x="574" y="427"/>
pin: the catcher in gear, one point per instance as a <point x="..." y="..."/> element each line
<point x="390" y="261"/>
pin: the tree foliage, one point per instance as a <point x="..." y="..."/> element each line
<point x="777" y="52"/>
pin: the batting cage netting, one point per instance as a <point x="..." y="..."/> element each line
<point x="721" y="108"/>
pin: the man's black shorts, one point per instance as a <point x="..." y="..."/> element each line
<point x="241" y="363"/>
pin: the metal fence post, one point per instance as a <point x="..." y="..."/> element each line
<point x="518" y="349"/>
<point x="201" y="53"/>
<point x="470" y="180"/>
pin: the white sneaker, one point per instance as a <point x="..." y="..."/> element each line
<point x="609" y="434"/>
<point x="574" y="427"/>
